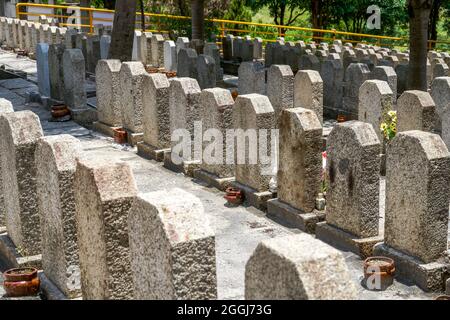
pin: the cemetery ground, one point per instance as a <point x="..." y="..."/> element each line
<point x="238" y="230"/>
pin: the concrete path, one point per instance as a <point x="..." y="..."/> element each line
<point x="238" y="230"/>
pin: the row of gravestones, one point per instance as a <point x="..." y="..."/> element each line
<point x="101" y="239"/>
<point x="168" y="105"/>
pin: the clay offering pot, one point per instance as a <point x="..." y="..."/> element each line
<point x="120" y="136"/>
<point x="234" y="196"/>
<point x="378" y="273"/>
<point x="21" y="282"/>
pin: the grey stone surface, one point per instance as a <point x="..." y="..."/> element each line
<point x="109" y="108"/>
<point x="417" y="195"/>
<point x="280" y="88"/>
<point x="252" y="78"/>
<point x="309" y="62"/>
<point x="170" y="56"/>
<point x="217" y="117"/>
<point x="56" y="163"/>
<point x="375" y="101"/>
<point x="300" y="163"/>
<point x="172" y="247"/>
<point x="104" y="192"/>
<point x="355" y="75"/>
<point x="254" y="114"/>
<point x="353" y="168"/>
<point x="74" y="79"/>
<point x="332" y="73"/>
<point x="297" y="267"/>
<point x="206" y="71"/>
<point x="387" y="74"/>
<point x="257" y="48"/>
<point x="131" y="78"/>
<point x="93" y="53"/>
<point x="415" y="111"/>
<point x="187" y="63"/>
<point x="402" y="72"/>
<point x="43" y="69"/>
<point x="212" y="49"/>
<point x="55" y="63"/>
<point x="156" y="112"/>
<point x="184" y="106"/>
<point x="227" y="45"/>
<point x="105" y="43"/>
<point x="182" y="43"/>
<point x="5" y="107"/>
<point x="20" y="132"/>
<point x="309" y="92"/>
<point x="135" y="54"/>
<point x="440" y="92"/>
<point x="70" y="38"/>
<point x="157" y="51"/>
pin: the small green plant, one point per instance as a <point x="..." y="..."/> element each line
<point x="389" y="125"/>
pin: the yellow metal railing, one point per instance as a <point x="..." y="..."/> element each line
<point x="163" y="23"/>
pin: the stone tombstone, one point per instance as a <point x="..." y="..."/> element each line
<point x="309" y="62"/>
<point x="212" y="49"/>
<point x="300" y="163"/>
<point x="5" y="107"/>
<point x="258" y="48"/>
<point x="269" y="54"/>
<point x="237" y="47"/>
<point x="184" y="106"/>
<point x="309" y="92"/>
<point x="131" y="99"/>
<point x="187" y="63"/>
<point x="353" y="168"/>
<point x="280" y="88"/>
<point x="332" y="73"/>
<point x="296" y="267"/>
<point x="70" y="38"/>
<point x="43" y="71"/>
<point x="108" y="86"/>
<point x="142" y="49"/>
<point x="402" y="72"/>
<point x="227" y="45"/>
<point x="206" y="71"/>
<point x="105" y="43"/>
<point x="247" y="49"/>
<point x="170" y="56"/>
<point x="74" y="79"/>
<point x="61" y="35"/>
<point x="375" y="101"/>
<point x="252" y="78"/>
<point x="348" y="57"/>
<point x="216" y="114"/>
<point x="157" y="50"/>
<point x="293" y="57"/>
<point x="182" y="43"/>
<point x="135" y="55"/>
<point x="355" y="75"/>
<point x="93" y="53"/>
<point x="440" y="70"/>
<point x="104" y="192"/>
<point x="81" y="43"/>
<point x="52" y="36"/>
<point x="20" y="132"/>
<point x="417" y="195"/>
<point x="172" y="247"/>
<point x="56" y="163"/>
<point x="147" y="41"/>
<point x="254" y="112"/>
<point x="156" y="113"/>
<point x="440" y="92"/>
<point x="22" y="26"/>
<point x="387" y="74"/>
<point x="55" y="63"/>
<point x="415" y="111"/>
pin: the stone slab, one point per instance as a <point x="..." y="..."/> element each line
<point x="212" y="180"/>
<point x="254" y="198"/>
<point x="286" y="214"/>
<point x="149" y="152"/>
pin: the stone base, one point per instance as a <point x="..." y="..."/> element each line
<point x="230" y="67"/>
<point x="51" y="291"/>
<point x="447" y="287"/>
<point x="134" y="138"/>
<point x="219" y="183"/>
<point x="84" y="117"/>
<point x="346" y="241"/>
<point x="187" y="167"/>
<point x="103" y="128"/>
<point x="292" y="217"/>
<point x="427" y="276"/>
<point x="13" y="259"/>
<point x="253" y="197"/>
<point x="151" y="153"/>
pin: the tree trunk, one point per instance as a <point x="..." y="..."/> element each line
<point x="419" y="16"/>
<point x="434" y="19"/>
<point x="142" y="15"/>
<point x="198" y="24"/>
<point x="85" y="14"/>
<point x="316" y="17"/>
<point x="123" y="30"/>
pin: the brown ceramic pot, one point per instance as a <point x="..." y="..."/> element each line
<point x="21" y="282"/>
